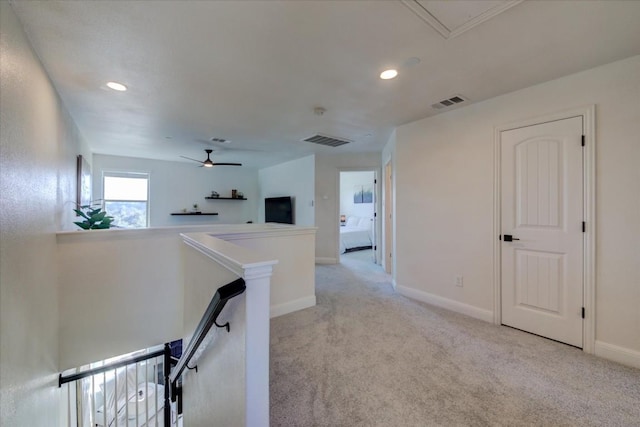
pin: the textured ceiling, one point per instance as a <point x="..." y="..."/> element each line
<point x="253" y="71"/>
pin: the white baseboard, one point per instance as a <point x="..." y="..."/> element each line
<point x="618" y="354"/>
<point x="291" y="306"/>
<point x="447" y="303"/>
<point x="325" y="261"/>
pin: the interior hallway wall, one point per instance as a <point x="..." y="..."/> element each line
<point x="38" y="146"/>
<point x="174" y="186"/>
<point x="444" y="198"/>
<point x="293" y="178"/>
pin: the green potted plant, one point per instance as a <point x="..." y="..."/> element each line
<point x="94" y="218"/>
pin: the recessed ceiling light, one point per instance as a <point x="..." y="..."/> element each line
<point x="116" y="86"/>
<point x="388" y="74"/>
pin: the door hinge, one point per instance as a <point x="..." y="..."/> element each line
<point x="375" y="214"/>
<point x="583" y="141"/>
<point x="584" y="227"/>
<point x="375" y="248"/>
<point x="500" y="237"/>
<point x="375" y="181"/>
<point x="583" y="313"/>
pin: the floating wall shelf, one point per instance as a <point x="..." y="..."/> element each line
<point x="194" y="213"/>
<point x="225" y="198"/>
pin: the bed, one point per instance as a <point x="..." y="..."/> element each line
<point x="355" y="234"/>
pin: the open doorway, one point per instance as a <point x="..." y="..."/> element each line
<point x="357" y="208"/>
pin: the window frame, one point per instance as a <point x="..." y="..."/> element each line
<point x="128" y="174"/>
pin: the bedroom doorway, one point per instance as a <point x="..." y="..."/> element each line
<point x="358" y="211"/>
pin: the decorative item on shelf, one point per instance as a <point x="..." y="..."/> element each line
<point x="239" y="195"/>
<point x="94" y="218"/>
<point x="214" y="195"/>
<point x="196" y="208"/>
<point x="234" y="193"/>
<point x="343" y="220"/>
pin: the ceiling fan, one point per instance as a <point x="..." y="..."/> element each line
<point x="208" y="163"/>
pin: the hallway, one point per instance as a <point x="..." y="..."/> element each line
<point x="368" y="356"/>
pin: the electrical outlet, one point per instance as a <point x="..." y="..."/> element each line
<point x="459" y="281"/>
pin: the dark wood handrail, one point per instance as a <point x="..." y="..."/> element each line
<point x="217" y="303"/>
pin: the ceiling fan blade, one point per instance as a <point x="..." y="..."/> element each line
<point x="189" y="158"/>
<point x="227" y="164"/>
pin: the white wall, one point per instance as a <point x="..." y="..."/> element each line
<point x="444" y="196"/>
<point x="293" y="282"/>
<point x="294" y="178"/>
<point x="120" y="291"/>
<point x="174" y="186"/>
<point x="328" y="200"/>
<point x="348" y="180"/>
<point x="38" y="147"/>
<point x="107" y="311"/>
<point x="215" y="395"/>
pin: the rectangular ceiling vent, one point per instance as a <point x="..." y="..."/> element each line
<point x="327" y="140"/>
<point x="446" y="103"/>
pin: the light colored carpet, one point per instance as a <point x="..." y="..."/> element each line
<point x="366" y="356"/>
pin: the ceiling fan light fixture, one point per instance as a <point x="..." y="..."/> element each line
<point x="388" y="74"/>
<point x="208" y="163"/>
<point x="116" y="86"/>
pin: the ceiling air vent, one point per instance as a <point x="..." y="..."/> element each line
<point x="220" y="140"/>
<point x="327" y="140"/>
<point x="445" y="103"/>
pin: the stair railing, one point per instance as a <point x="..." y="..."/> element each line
<point x="119" y="412"/>
<point x="217" y="303"/>
<point x="172" y="388"/>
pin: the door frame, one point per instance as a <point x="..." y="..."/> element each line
<point x="589" y="215"/>
<point x="376" y="206"/>
<point x="387" y="216"/>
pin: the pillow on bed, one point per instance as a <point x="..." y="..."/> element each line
<point x="364" y="223"/>
<point x="352" y="221"/>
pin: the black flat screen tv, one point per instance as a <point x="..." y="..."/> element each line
<point x="278" y="209"/>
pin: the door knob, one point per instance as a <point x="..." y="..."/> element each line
<point x="509" y="238"/>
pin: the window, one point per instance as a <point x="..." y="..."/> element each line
<point x="126" y="198"/>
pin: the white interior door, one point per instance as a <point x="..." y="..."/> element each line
<point x="388" y="229"/>
<point x="542" y="229"/>
<point x="374" y="226"/>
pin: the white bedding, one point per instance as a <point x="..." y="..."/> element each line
<point x="356" y="233"/>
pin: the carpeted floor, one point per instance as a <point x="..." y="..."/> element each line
<point x="366" y="356"/>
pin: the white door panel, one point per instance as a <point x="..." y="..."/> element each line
<point x="542" y="194"/>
